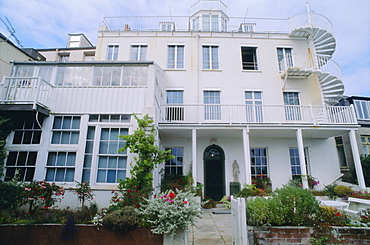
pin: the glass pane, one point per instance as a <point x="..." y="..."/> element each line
<point x="65" y="137"/>
<point x="22" y="156"/>
<point x="76" y="123"/>
<point x="36" y="137"/>
<point x="52" y="159"/>
<point x="17" y="139"/>
<point x="111" y="178"/>
<point x="104" y="134"/>
<point x="90" y="133"/>
<point x="60" y="174"/>
<point x="101" y="176"/>
<point x="67" y="123"/>
<point x="70" y="174"/>
<point x="56" y="137"/>
<point x="87" y="161"/>
<point x="114" y="134"/>
<point x="61" y="159"/>
<point x="98" y="70"/>
<point x="102" y="162"/>
<point x="30" y="172"/>
<point x="86" y="175"/>
<point x="74" y="137"/>
<point x="89" y="146"/>
<point x="27" y="137"/>
<point x="71" y="159"/>
<point x="121" y="174"/>
<point x="50" y="174"/>
<point x="112" y="162"/>
<point x="171" y="57"/>
<point x="122" y="161"/>
<point x="113" y="147"/>
<point x="31" y="161"/>
<point x="116" y="76"/>
<point x="103" y="148"/>
<point x="57" y="123"/>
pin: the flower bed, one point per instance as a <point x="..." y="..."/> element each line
<point x="308" y="235"/>
<point x="47" y="234"/>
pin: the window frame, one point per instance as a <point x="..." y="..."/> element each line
<point x="284" y="58"/>
<point x="212" y="105"/>
<point x="362" y="108"/>
<point x="247" y="53"/>
<point x="178" y="56"/>
<point x="65" y="131"/>
<point x="261" y="166"/>
<point x="172" y="163"/>
<point x="28" y="166"/>
<point x="254" y="106"/>
<point x="211" y="57"/>
<point x="138" y="52"/>
<point x="64" y="167"/>
<point x="112" y="52"/>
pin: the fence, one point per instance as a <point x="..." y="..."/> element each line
<point x="238" y="221"/>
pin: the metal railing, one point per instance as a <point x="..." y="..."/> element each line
<point x="251" y="114"/>
<point x="311" y="62"/>
<point x="310" y="19"/>
<point x="25" y="90"/>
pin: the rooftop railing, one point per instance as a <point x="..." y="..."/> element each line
<point x="260" y="114"/>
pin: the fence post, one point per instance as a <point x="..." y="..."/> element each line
<point x="238" y="221"/>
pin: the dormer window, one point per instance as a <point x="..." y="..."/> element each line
<point x="167" y="26"/>
<point x="247" y="27"/>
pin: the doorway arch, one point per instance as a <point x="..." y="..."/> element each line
<point x="214" y="172"/>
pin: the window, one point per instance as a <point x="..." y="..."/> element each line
<point x="284" y="58"/>
<point x="75" y="75"/>
<point x="292" y="109"/>
<point x="175" y="113"/>
<point x="111" y="163"/>
<point x="210" y="57"/>
<point x="89" y="56"/>
<point x="341" y="153"/>
<point x="21" y="164"/>
<point x="362" y="109"/>
<point x="212" y="110"/>
<point x="112" y="53"/>
<point x="196" y="24"/>
<point x="365" y="141"/>
<point x="63" y="57"/>
<point x="175" y="57"/>
<point x="86" y="172"/>
<point x="138" y="52"/>
<point x="295" y="163"/>
<point x="253" y="100"/>
<point x="110" y="118"/>
<point x="107" y="75"/>
<point x="174" y="166"/>
<point x="135" y="76"/>
<point x="247" y="27"/>
<point x="61" y="166"/>
<point x="28" y="131"/>
<point x="249" y="58"/>
<point x="258" y="162"/>
<point x="167" y="26"/>
<point x="66" y="130"/>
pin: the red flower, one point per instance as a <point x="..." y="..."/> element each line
<point x="338" y="214"/>
<point x="185" y="202"/>
<point x="171" y="195"/>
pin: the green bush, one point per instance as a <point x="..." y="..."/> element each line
<point x="342" y="190"/>
<point x="121" y="220"/>
<point x="10" y="195"/>
<point x="330" y="190"/>
<point x="287" y="206"/>
<point x="249" y="191"/>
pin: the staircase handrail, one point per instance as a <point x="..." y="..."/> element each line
<point x="310" y="19"/>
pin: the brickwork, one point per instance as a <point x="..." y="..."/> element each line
<point x="302" y="235"/>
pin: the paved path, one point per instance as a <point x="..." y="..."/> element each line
<point x="213" y="228"/>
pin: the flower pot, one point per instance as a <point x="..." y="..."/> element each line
<point x="181" y="238"/>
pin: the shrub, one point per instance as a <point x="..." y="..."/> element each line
<point x="330" y="190"/>
<point x="250" y="190"/>
<point x="209" y="202"/>
<point x="262" y="182"/>
<point x="171" y="212"/>
<point x="121" y="220"/>
<point x="287" y="206"/>
<point x="83" y="192"/>
<point x="330" y="216"/>
<point x="10" y="195"/>
<point x="342" y="190"/>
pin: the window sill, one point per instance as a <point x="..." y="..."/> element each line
<point x="173" y="69"/>
<point x="253" y="71"/>
<point x="217" y="70"/>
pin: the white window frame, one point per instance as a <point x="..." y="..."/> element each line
<point x="254" y="65"/>
<point x="138" y="52"/>
<point x="285" y="60"/>
<point x="112" y="52"/>
<point x="64" y="167"/>
<point x="178" y="56"/>
<point x="210" y="62"/>
<point x="362" y="109"/>
<point x="256" y="175"/>
<point x="254" y="108"/>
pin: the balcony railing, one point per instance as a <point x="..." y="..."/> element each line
<point x="25" y="90"/>
<point x="252" y="114"/>
<point x="311" y="19"/>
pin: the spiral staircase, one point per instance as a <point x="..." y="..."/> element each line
<point x="318" y="29"/>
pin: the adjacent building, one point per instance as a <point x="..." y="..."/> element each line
<point x="258" y="92"/>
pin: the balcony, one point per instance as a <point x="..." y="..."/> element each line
<point x="257" y="114"/>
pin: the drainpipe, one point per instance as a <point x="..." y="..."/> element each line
<point x="247" y="156"/>
<point x="194" y="155"/>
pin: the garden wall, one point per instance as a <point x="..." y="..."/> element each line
<point x="47" y="234"/>
<point x="302" y="235"/>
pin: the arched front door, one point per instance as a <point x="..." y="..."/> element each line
<point x="214" y="172"/>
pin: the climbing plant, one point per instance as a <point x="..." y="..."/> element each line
<point x="149" y="155"/>
<point x="6" y="126"/>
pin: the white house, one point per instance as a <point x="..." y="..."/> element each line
<point x="221" y="89"/>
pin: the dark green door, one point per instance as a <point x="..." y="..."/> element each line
<point x="214" y="172"/>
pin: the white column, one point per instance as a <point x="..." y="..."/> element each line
<point x="194" y="155"/>
<point x="356" y="159"/>
<point x="247" y="156"/>
<point x="302" y="160"/>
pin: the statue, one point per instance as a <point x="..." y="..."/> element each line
<point x="236" y="171"/>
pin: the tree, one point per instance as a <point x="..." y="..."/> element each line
<point x="142" y="142"/>
<point x="6" y="126"/>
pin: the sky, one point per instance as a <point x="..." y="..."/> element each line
<point x="47" y="23"/>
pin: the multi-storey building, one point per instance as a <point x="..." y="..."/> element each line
<point x="258" y="92"/>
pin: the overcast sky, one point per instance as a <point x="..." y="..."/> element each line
<point x="46" y="24"/>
